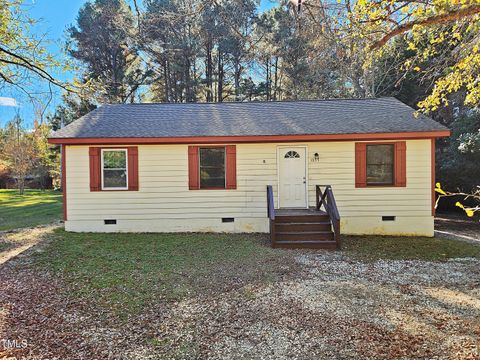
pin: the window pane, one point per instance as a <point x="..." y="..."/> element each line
<point x="292" y="155"/>
<point x="380" y="164"/>
<point x="114" y="169"/>
<point x="114" y="178"/>
<point x="114" y="159"/>
<point x="212" y="167"/>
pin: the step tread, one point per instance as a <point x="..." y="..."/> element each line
<point x="303" y="232"/>
<point x="303" y="216"/>
<point x="301" y="219"/>
<point x="305" y="223"/>
<point x="307" y="241"/>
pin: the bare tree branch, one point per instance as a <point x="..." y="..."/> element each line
<point x="27" y="64"/>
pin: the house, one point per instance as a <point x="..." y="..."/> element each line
<point x="252" y="167"/>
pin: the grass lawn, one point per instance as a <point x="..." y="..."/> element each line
<point x="407" y="248"/>
<point x="126" y="272"/>
<point x="33" y="208"/>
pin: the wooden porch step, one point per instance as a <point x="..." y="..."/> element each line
<point x="301" y="218"/>
<point x="303" y="226"/>
<point x="305" y="244"/>
<point x="308" y="227"/>
<point x="304" y="235"/>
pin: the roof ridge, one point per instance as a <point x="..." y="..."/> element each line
<point x="255" y="102"/>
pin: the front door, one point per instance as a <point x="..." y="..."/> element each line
<point x="292" y="177"/>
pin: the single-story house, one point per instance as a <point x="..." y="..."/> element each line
<point x="252" y="167"/>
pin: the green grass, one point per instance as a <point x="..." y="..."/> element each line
<point x="4" y="246"/>
<point x="33" y="208"/>
<point x="407" y="248"/>
<point x="124" y="273"/>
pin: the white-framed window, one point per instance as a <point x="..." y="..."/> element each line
<point x="114" y="169"/>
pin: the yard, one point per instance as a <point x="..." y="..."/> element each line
<point x="35" y="207"/>
<point x="231" y="296"/>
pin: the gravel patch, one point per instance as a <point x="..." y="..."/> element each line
<point x="343" y="309"/>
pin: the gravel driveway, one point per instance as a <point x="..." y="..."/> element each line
<point x="340" y="309"/>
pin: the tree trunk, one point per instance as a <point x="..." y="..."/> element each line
<point x="208" y="71"/>
<point x="21" y="185"/>
<point x="279" y="91"/>
<point x="166" y="75"/>
<point x="267" y="81"/>
<point x="276" y="79"/>
<point x="194" y="79"/>
<point x="114" y="90"/>
<point x="220" y="78"/>
<point x="188" y="83"/>
<point x="358" y="90"/>
<point x="237" y="74"/>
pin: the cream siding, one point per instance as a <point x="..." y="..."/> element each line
<point x="164" y="202"/>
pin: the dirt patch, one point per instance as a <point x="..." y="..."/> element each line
<point x="15" y="242"/>
<point x="36" y="317"/>
<point x="459" y="226"/>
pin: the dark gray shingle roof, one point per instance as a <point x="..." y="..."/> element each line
<point x="349" y="116"/>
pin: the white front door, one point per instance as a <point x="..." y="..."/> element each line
<point x="292" y="174"/>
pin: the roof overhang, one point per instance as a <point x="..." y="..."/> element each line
<point x="249" y="139"/>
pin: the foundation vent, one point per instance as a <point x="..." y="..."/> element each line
<point x="388" y="218"/>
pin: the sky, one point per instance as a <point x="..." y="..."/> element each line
<point x="55" y="16"/>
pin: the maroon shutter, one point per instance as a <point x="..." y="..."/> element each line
<point x="231" y="164"/>
<point x="132" y="168"/>
<point x="193" y="168"/>
<point x="95" y="164"/>
<point x="401" y="164"/>
<point x="360" y="165"/>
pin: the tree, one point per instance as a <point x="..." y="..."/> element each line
<point x="444" y="36"/>
<point x="169" y="35"/>
<point x="239" y="17"/>
<point x="449" y="26"/>
<point x="47" y="161"/>
<point x="22" y="55"/>
<point x="103" y="41"/>
<point x="458" y="156"/>
<point x="19" y="152"/>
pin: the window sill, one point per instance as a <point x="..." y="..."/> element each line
<point x="113" y="189"/>
<point x="213" y="188"/>
<point x="380" y="186"/>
